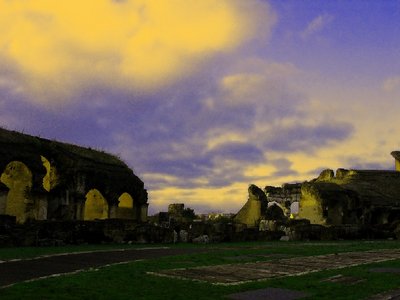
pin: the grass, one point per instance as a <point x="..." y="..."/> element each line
<point x="31" y="252"/>
<point x="130" y="281"/>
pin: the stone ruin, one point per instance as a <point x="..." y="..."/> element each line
<point x="49" y="180"/>
<point x="350" y="203"/>
<point x="352" y="197"/>
<point x="46" y="180"/>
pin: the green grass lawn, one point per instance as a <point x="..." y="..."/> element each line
<point x="130" y="281"/>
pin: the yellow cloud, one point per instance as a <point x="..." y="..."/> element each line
<point x="225" y="199"/>
<point x="142" y="44"/>
<point x="253" y="79"/>
<point x="217" y="137"/>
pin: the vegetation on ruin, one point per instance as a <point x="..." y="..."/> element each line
<point x="131" y="281"/>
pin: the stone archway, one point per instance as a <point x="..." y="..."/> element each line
<point x="18" y="179"/>
<point x="96" y="206"/>
<point x="126" y="207"/>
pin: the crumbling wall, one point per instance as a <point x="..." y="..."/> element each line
<point x="310" y="206"/>
<point x="251" y="213"/>
<point x="351" y="197"/>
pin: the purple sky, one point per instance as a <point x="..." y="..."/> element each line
<point x="202" y="98"/>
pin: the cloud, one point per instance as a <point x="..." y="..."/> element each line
<point x="254" y="81"/>
<point x="316" y="25"/>
<point x="358" y="163"/>
<point x="205" y="200"/>
<point x="391" y="84"/>
<point x="239" y="152"/>
<point x="299" y="137"/>
<point x="283" y="167"/>
<point x="59" y="49"/>
<point x="203" y="140"/>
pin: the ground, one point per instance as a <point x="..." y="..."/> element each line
<point x="306" y="270"/>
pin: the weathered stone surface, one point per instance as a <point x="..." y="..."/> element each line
<point x="274" y="212"/>
<point x="262" y="270"/>
<point x="347" y="280"/>
<point x="203" y="239"/>
<point x="326" y="175"/>
<point x="352" y="197"/>
<point x="250" y="214"/>
<point x="396" y="155"/>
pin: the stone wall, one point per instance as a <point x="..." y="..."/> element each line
<point x="255" y="207"/>
<point x="42" y="179"/>
<point x="351" y="197"/>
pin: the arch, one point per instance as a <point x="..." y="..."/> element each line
<point x="96" y="206"/>
<point x="50" y="180"/>
<point x="3" y="198"/>
<point x="126" y="207"/>
<point x="18" y="178"/>
<point x="125" y="201"/>
<point x="294" y="208"/>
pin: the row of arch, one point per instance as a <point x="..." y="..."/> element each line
<point x="17" y="198"/>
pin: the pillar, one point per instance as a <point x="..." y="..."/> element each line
<point x="143" y="212"/>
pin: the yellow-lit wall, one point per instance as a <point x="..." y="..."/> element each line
<point x="96" y="206"/>
<point x="126" y="209"/>
<point x="50" y="180"/>
<point x="397" y="165"/>
<point x="18" y="178"/>
<point x="310" y="208"/>
<point x="250" y="214"/>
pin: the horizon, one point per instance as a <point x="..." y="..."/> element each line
<point x="202" y="99"/>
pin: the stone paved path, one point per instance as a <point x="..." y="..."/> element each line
<point x="245" y="272"/>
<point x="24" y="270"/>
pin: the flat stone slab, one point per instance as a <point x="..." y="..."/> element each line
<point x="268" y="294"/>
<point x="349" y="280"/>
<point x="245" y="272"/>
<point x="255" y="256"/>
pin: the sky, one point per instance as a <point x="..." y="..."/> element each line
<point x="203" y="98"/>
